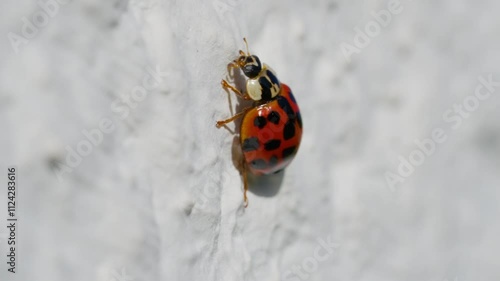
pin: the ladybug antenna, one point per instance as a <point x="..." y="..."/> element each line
<point x="246" y="44"/>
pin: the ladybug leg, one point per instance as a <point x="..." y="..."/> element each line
<point x="232" y="66"/>
<point x="231" y="119"/>
<point x="226" y="85"/>
<point x="245" y="183"/>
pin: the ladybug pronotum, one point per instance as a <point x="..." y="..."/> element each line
<point x="271" y="129"/>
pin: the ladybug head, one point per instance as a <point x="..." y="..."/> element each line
<point x="250" y="64"/>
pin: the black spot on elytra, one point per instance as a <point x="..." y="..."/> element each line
<point x="287" y="152"/>
<point x="260" y="122"/>
<point x="250" y="144"/>
<point x="274" y="117"/>
<point x="272" y="144"/>
<point x="285" y="105"/>
<point x="266" y="88"/>
<point x="299" y="119"/>
<point x="258" y="164"/>
<point x="289" y="130"/>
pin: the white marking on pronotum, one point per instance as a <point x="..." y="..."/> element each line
<point x="254" y="88"/>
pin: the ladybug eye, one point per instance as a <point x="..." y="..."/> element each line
<point x="252" y="66"/>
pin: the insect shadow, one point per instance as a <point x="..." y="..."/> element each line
<point x="264" y="186"/>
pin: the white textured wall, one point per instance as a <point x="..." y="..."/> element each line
<point x="159" y="197"/>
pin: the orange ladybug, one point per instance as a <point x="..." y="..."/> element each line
<point x="271" y="128"/>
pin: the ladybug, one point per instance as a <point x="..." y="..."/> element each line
<point x="271" y="129"/>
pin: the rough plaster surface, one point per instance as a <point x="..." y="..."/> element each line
<point x="160" y="198"/>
